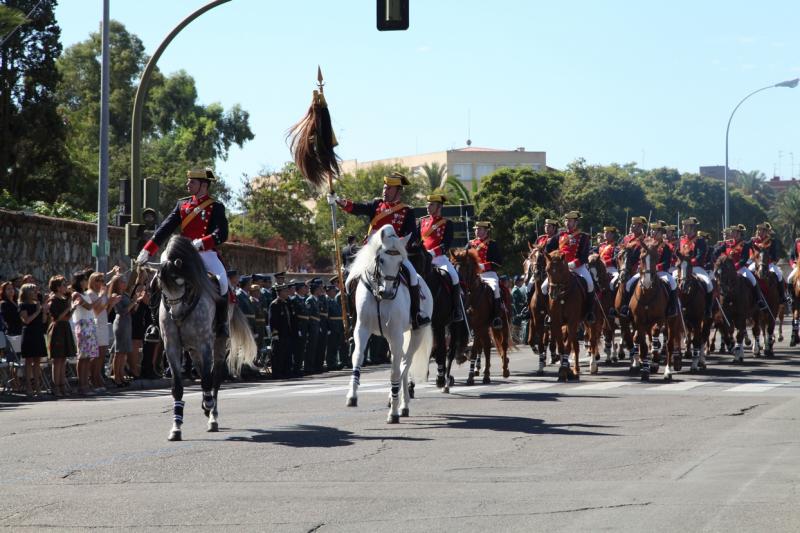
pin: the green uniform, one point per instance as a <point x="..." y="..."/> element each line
<point x="322" y="342"/>
<point x="310" y="356"/>
<point x="300" y="315"/>
<point x="336" y="350"/>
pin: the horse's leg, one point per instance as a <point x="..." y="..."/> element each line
<point x="395" y="376"/>
<point x="217" y="376"/>
<point x="206" y="365"/>
<point x="794" y="339"/>
<point x="487" y="350"/>
<point x="360" y="338"/>
<point x="474" y="354"/>
<point x="644" y="354"/>
<point x="439" y="354"/>
<point x="575" y="348"/>
<point x="455" y="343"/>
<point x="175" y="360"/>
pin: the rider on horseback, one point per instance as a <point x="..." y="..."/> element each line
<point x="574" y="245"/>
<point x="608" y="251"/>
<point x="693" y="248"/>
<point x="550" y="228"/>
<point x="763" y="242"/>
<point x="436" y="234"/>
<point x="489" y="255"/>
<point x="793" y="261"/>
<point x="738" y="250"/>
<point x="632" y="243"/>
<point x="202" y="220"/>
<point x="663" y="262"/>
<point x="390" y="210"/>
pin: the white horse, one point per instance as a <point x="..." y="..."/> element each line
<point x="382" y="306"/>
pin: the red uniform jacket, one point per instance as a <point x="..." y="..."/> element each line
<point x="488" y="253"/>
<point x="209" y="224"/>
<point x="436" y="234"/>
<point x="398" y="214"/>
<point x="607" y="251"/>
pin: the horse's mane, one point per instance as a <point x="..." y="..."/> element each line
<point x="183" y="261"/>
<point x="721" y="260"/>
<point x="367" y="256"/>
<point x="556" y="255"/>
<point x="469" y="254"/>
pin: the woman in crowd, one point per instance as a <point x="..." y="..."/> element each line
<point x="34" y="317"/>
<point x="123" y="305"/>
<point x="140" y="309"/>
<point x="85" y="329"/>
<point x="10" y="312"/>
<point x="97" y="295"/>
<point x="60" y="342"/>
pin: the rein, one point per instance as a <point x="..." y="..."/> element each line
<point x="194" y="298"/>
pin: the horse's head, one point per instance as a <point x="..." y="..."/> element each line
<point x="389" y="257"/>
<point x="598" y="270"/>
<point x="466" y="263"/>
<point x="648" y="262"/>
<point x="182" y="277"/>
<point x="556" y="268"/>
<point x="762" y="264"/>
<point x="725" y="273"/>
<point x="624" y="265"/>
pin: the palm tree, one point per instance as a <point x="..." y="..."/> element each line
<point x="786" y="215"/>
<point x="456" y="190"/>
<point x="435" y="174"/>
<point x="754" y="184"/>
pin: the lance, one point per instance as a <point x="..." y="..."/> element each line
<point x="312" y="145"/>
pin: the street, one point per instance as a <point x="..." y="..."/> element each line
<point x="717" y="451"/>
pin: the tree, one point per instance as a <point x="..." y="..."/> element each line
<point x="516" y="201"/>
<point x="786" y="216"/>
<point x="754" y="184"/>
<point x="435" y="175"/>
<point x="177" y="132"/>
<point x="33" y="159"/>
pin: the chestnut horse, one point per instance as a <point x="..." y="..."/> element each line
<point x="795" y="292"/>
<point x="565" y="307"/>
<point x="736" y="302"/>
<point x="603" y="326"/>
<point x="692" y="296"/>
<point x="771" y="290"/>
<point x="625" y="269"/>
<point x="479" y="300"/>
<point x="539" y="338"/>
<point x="649" y="309"/>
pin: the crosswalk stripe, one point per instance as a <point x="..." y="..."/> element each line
<point x="264" y="390"/>
<point x="756" y="387"/>
<point x="680" y="386"/>
<point x="606" y="385"/>
<point x="530" y="387"/>
<point x="334" y="389"/>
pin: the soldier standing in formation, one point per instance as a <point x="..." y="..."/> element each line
<point x="282" y="329"/>
<point x="312" y="344"/>
<point x="336" y="349"/>
<point x="300" y="316"/>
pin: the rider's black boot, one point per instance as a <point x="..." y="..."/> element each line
<point x="672" y="303"/>
<point x="497" y="322"/>
<point x="152" y="334"/>
<point x="526" y="313"/>
<point x="417" y="319"/>
<point x="624" y="310"/>
<point x="221" y="318"/>
<point x="709" y="304"/>
<point x="786" y="297"/>
<point x="588" y="307"/>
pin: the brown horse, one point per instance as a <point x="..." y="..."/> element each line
<point x="539" y="337"/>
<point x="692" y="297"/>
<point x="736" y="304"/>
<point x="603" y="327"/>
<point x="648" y="309"/>
<point x="565" y="307"/>
<point x="625" y="269"/>
<point x="479" y="300"/>
<point x="795" y="292"/>
<point x="771" y="291"/>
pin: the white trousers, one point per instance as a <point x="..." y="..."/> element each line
<point x="582" y="271"/>
<point x="613" y="273"/>
<point x="701" y="274"/>
<point x="746" y="273"/>
<point x="443" y="262"/>
<point x="493" y="281"/>
<point x="666" y="277"/>
<point x="772" y="268"/>
<point x="412" y="273"/>
<point x="213" y="266"/>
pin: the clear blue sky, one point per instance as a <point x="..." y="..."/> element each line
<point x="609" y="81"/>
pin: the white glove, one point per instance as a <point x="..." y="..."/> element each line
<point x="143" y="257"/>
<point x="572" y="265"/>
<point x="197" y="243"/>
<point x="332" y="198"/>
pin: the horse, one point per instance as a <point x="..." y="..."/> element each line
<point x="565" y="307"/>
<point x="382" y="303"/>
<point x="771" y="291"/>
<point x="736" y="303"/>
<point x="692" y="297"/>
<point x="603" y="327"/>
<point x="648" y="309"/>
<point x="539" y="337"/>
<point x="479" y="301"/>
<point x="794" y="340"/>
<point x="625" y="269"/>
<point x="186" y="318"/>
<point x="442" y="323"/>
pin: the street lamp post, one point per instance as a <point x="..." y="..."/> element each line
<point x="788" y="83"/>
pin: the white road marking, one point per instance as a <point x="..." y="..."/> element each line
<point x="681" y="386"/>
<point x="530" y="387"/>
<point x="606" y="385"/>
<point x="756" y="387"/>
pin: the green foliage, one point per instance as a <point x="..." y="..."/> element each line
<point x="456" y="191"/>
<point x="33" y="158"/>
<point x="786" y="216"/>
<point x="434" y="174"/>
<point x="516" y="201"/>
<point x="754" y="184"/>
<point x="177" y="132"/>
<point x="56" y="209"/>
<point x="10" y="18"/>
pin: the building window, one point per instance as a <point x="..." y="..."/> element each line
<point x="464" y="172"/>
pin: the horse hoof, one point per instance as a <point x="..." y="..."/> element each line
<point x="393" y="419"/>
<point x="780" y="338"/>
<point x="539" y="373"/>
<point x="506" y="373"/>
<point x="213" y="427"/>
<point x="446" y="389"/>
<point x="206" y="412"/>
<point x="668" y="378"/>
<point x="574" y="376"/>
<point x="486" y="380"/>
<point x="174" y="436"/>
<point x="470" y="380"/>
<point x="594" y="370"/>
<point x="404" y="411"/>
<point x="440" y="382"/>
<point x="410" y="390"/>
<point x="563" y="374"/>
<point x="352" y="402"/>
<point x="677" y="364"/>
<point x="452" y="381"/>
<point x="654" y="368"/>
<point x="632" y="370"/>
<point x="645" y="376"/>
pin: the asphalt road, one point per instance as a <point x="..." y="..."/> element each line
<point x="718" y="451"/>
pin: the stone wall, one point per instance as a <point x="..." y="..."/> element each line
<point x="45" y="246"/>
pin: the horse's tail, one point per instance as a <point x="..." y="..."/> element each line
<point x="420" y="347"/>
<point x="243" y="345"/>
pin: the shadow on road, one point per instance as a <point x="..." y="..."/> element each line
<point x="513" y="424"/>
<point x="312" y="437"/>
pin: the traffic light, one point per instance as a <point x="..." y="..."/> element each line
<point x="392" y="15"/>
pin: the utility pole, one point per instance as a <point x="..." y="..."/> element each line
<point x="101" y="249"/>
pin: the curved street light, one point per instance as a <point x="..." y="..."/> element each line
<point x="791" y="84"/>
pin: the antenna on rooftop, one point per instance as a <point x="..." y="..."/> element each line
<point x="469" y="136"/>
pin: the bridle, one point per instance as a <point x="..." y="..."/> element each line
<point x="373" y="280"/>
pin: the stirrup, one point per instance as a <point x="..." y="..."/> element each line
<point x="497" y="323"/>
<point x="152" y="334"/>
<point x="420" y="321"/>
<point x="624" y="311"/>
